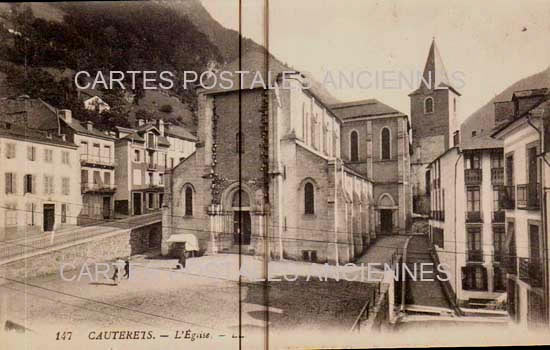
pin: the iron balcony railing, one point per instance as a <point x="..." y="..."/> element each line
<point x="499" y="216"/>
<point x="508" y="200"/>
<point x="474" y="217"/>
<point x="530" y="271"/>
<point x="472" y="176"/>
<point x="497" y="176"/>
<point x="96" y="159"/>
<point x="88" y="187"/>
<point x="475" y="255"/>
<point x="152" y="166"/>
<point x="528" y="196"/>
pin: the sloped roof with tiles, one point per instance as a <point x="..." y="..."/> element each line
<point x="364" y="108"/>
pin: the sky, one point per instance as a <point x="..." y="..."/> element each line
<point x="488" y="45"/>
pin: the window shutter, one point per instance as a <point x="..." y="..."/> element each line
<point x="25" y="183"/>
<point x="33" y="184"/>
<point x="7" y="182"/>
<point x="464" y="270"/>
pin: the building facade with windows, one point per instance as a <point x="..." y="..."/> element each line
<point x="375" y="143"/>
<point x="143" y="155"/>
<point x="276" y="186"/>
<point x="526" y="242"/>
<point x="467" y="220"/>
<point x="39" y="182"/>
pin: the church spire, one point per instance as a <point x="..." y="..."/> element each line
<point x="435" y="75"/>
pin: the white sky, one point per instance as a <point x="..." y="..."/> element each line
<point x="483" y="40"/>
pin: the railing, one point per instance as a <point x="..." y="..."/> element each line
<point x="499" y="216"/>
<point x="96" y="159"/>
<point x="528" y="196"/>
<point x="511" y="264"/>
<point x="437" y="215"/>
<point x="530" y="271"/>
<point x="152" y="166"/>
<point x="475" y="255"/>
<point x="497" y="176"/>
<point x="85" y="187"/>
<point x="472" y="176"/>
<point x="508" y="200"/>
<point x="474" y="216"/>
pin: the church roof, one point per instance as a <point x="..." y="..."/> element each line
<point x="363" y="108"/>
<point x="435" y="74"/>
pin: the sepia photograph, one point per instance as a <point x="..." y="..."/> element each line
<point x="274" y="174"/>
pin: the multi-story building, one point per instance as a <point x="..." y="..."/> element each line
<point x="268" y="177"/>
<point x="40" y="190"/>
<point x="375" y="139"/>
<point x="526" y="242"/>
<point x="467" y="219"/>
<point x="434" y="120"/>
<point x="143" y="155"/>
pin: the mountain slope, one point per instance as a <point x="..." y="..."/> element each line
<point x="483" y="120"/>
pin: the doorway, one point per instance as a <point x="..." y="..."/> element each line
<point x="49" y="217"/>
<point x="242" y="227"/>
<point x="386" y="221"/>
<point x="137" y="203"/>
<point x="106" y="207"/>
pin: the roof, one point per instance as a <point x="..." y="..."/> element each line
<point x="435" y="73"/>
<point x="529" y="93"/>
<point x="484" y="141"/>
<point x="31" y="135"/>
<point x="179" y="132"/>
<point x="363" y="108"/>
<point x="543" y="103"/>
<point x="77" y="126"/>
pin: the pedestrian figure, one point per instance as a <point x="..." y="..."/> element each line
<point x="181" y="260"/>
<point x="127" y="268"/>
<point x="115" y="274"/>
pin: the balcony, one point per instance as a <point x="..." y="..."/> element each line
<point x="511" y="264"/>
<point x="498" y="216"/>
<point x="497" y="176"/>
<point x="472" y="176"/>
<point x="152" y="166"/>
<point x="103" y="188"/>
<point x="530" y="271"/>
<point x="475" y="255"/>
<point x="474" y="217"/>
<point x="508" y="200"/>
<point x="95" y="160"/>
<point x="529" y="196"/>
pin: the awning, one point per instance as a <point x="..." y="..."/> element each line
<point x="191" y="242"/>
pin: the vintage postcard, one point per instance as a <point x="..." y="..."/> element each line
<point x="274" y="174"/>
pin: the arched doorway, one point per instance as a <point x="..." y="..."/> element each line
<point x="242" y="222"/>
<point x="386" y="209"/>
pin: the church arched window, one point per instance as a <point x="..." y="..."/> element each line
<point x="354" y="146"/>
<point x="309" y="198"/>
<point x="385" y="143"/>
<point x="188" y="201"/>
<point x="429" y="105"/>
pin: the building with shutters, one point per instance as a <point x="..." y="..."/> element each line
<point x="39" y="181"/>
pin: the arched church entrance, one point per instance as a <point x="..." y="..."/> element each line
<point x="386" y="212"/>
<point x="242" y="222"/>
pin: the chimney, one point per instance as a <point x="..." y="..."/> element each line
<point x="160" y="123"/>
<point x="67" y="115"/>
<point x="89" y="125"/>
<point x="141" y="122"/>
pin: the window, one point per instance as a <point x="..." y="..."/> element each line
<point x="510" y="170"/>
<point x="386" y="144"/>
<point x="354" y="146"/>
<point x="151" y="179"/>
<point x="10" y="181"/>
<point x="11" y="215"/>
<point x="438" y="237"/>
<point x="151" y="140"/>
<point x="96" y="152"/>
<point x="48" y="155"/>
<point x="497" y="161"/>
<point x="136" y="155"/>
<point x="497" y="194"/>
<point x="161" y="199"/>
<point x="499" y="279"/>
<point x="498" y="242"/>
<point x="475" y="252"/>
<point x="31" y="153"/>
<point x="472" y="160"/>
<point x="83" y="147"/>
<point x="309" y="198"/>
<point x="48" y="184"/>
<point x="107" y="178"/>
<point x="188" y="201"/>
<point x="97" y="177"/>
<point x="107" y="154"/>
<point x="239" y="143"/>
<point x="428" y="180"/>
<point x="28" y="183"/>
<point x="150" y="202"/>
<point x="10" y="150"/>
<point x="474" y="277"/>
<point x="161" y="179"/>
<point x="63" y="213"/>
<point x="454" y="104"/>
<point x="65" y="186"/>
<point x="474" y="133"/>
<point x="428" y="105"/>
<point x="84" y="176"/>
<point x="472" y="199"/>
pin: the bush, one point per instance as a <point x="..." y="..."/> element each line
<point x="166" y="108"/>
